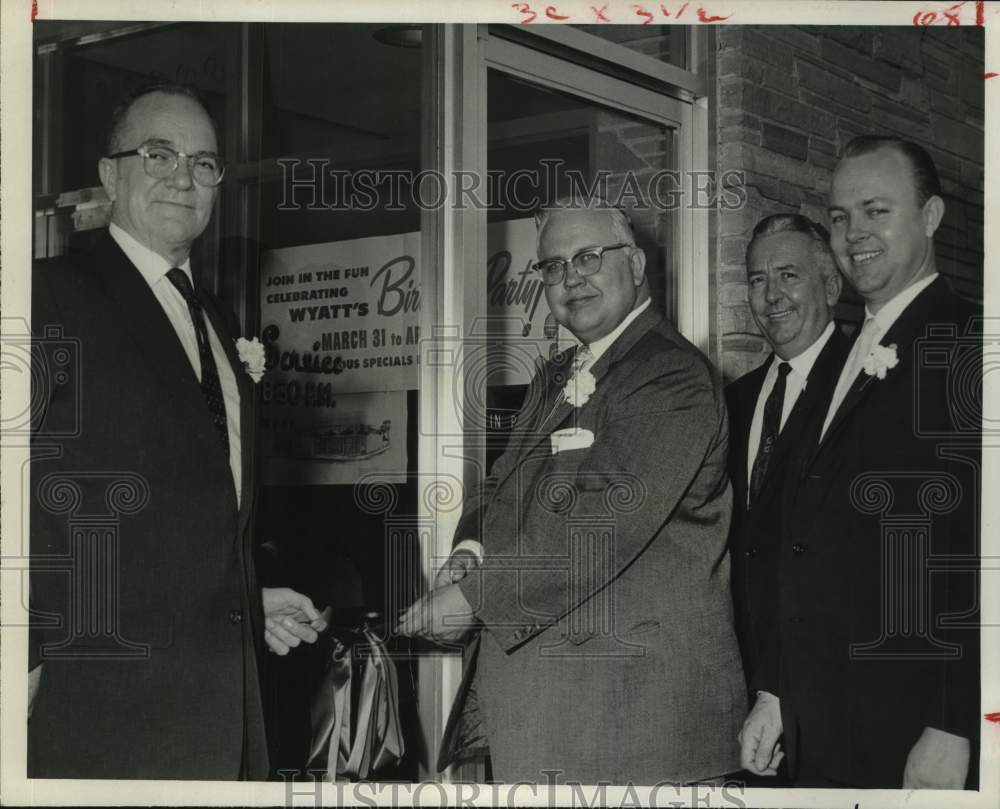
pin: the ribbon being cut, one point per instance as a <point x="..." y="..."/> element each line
<point x="353" y="749"/>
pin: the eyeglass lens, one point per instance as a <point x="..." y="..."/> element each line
<point x="161" y="161"/>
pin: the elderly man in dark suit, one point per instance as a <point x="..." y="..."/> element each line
<point x="607" y="651"/>
<point x="872" y="673"/>
<point x="792" y="286"/>
<point x="144" y="661"/>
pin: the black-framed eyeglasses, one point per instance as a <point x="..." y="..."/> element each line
<point x="586" y="262"/>
<point x="160" y="162"/>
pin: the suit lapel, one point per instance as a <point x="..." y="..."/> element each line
<point x="141" y="315"/>
<point x="618" y="349"/>
<point x="810" y="405"/>
<point x="525" y="436"/>
<point x="854" y="396"/>
<point x="910" y="324"/>
<point x="822" y="380"/>
<point x="248" y="415"/>
<point x="742" y="414"/>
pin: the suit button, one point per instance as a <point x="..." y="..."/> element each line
<point x="235" y="617"/>
<point x="795" y="619"/>
<point x="798" y="549"/>
<point x="751" y="553"/>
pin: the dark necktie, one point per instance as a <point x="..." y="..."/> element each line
<point x="211" y="388"/>
<point x="769" y="430"/>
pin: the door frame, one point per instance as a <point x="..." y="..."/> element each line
<point x="450" y="447"/>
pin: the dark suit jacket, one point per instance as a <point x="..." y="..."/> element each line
<point x="142" y="570"/>
<point x="753" y="538"/>
<point x="870" y="646"/>
<point x="609" y="651"/>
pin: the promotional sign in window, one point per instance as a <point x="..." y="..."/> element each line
<point x="343" y="318"/>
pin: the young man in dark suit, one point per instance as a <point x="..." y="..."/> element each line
<point x="792" y="286"/>
<point x="872" y="672"/>
<point x="149" y="622"/>
<point x="607" y="651"/>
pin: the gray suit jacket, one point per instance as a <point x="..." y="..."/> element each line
<point x="609" y="652"/>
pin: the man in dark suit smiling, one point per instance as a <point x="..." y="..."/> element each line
<point x="144" y="662"/>
<point x="793" y="285"/>
<point x="872" y="668"/>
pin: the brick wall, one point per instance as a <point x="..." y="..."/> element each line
<point x="790" y="97"/>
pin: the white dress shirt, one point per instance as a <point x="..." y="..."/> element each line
<point x="795" y="383"/>
<point x="154" y="268"/>
<point x="884" y="319"/>
<point x="600" y="346"/>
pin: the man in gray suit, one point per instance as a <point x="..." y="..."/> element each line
<point x="594" y="558"/>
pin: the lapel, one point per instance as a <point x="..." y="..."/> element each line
<point x="822" y="380"/>
<point x="563" y="409"/>
<point x="810" y="405"/>
<point x="745" y="394"/>
<point x="142" y="317"/>
<point x="550" y="377"/>
<point x="903" y="333"/>
<point x="248" y="399"/>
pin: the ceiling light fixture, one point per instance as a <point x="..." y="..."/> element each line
<point x="401" y="36"/>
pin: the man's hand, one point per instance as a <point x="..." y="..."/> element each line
<point x="938" y="760"/>
<point x="760" y="752"/>
<point x="443" y="615"/>
<point x="456" y="567"/>
<point x="289" y="619"/>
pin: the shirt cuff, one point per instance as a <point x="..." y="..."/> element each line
<point x="472" y="546"/>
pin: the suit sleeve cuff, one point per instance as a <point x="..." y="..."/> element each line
<point x="472" y="546"/>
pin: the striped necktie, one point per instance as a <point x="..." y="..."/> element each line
<point x="211" y="388"/>
<point x="769" y="430"/>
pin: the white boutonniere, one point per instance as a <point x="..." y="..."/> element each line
<point x="881" y="360"/>
<point x="252" y="356"/>
<point x="579" y="388"/>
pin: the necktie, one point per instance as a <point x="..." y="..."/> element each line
<point x="581" y="361"/>
<point x="769" y="430"/>
<point x="211" y="388"/>
<point x="852" y="367"/>
<point x="584" y="357"/>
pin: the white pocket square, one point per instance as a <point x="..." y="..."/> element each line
<point x="571" y="438"/>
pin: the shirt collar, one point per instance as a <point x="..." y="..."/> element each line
<point x="889" y="313"/>
<point x="802" y="363"/>
<point x="601" y="345"/>
<point x="152" y="266"/>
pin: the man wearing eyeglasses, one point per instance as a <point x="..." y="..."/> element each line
<point x="144" y="662"/>
<point x="594" y="558"/>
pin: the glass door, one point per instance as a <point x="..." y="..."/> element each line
<point x="338" y="233"/>
<point x="547" y="126"/>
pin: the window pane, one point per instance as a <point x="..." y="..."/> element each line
<point x="336" y="106"/>
<point x="543" y="144"/>
<point x="96" y="77"/>
<point x="566" y="143"/>
<point x="667" y="43"/>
